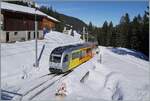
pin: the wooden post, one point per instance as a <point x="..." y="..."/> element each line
<point x="0" y="45"/>
<point x="84" y="34"/>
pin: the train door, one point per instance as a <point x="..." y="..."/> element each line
<point x="74" y="61"/>
<point x="83" y="56"/>
<point x="65" y="63"/>
<point x="89" y="53"/>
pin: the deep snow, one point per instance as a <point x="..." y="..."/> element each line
<point x="119" y="76"/>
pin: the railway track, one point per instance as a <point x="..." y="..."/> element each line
<point x="31" y="87"/>
<point x="40" y="84"/>
<point x="32" y="92"/>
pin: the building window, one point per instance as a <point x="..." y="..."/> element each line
<point x="37" y="34"/>
<point x="29" y="35"/>
<point x="34" y="35"/>
<point x="15" y="33"/>
<point x="7" y="36"/>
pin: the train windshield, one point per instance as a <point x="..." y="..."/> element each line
<point x="65" y="58"/>
<point x="55" y="58"/>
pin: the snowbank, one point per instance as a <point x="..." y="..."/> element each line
<point x="60" y="38"/>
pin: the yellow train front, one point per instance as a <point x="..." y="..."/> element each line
<point x="66" y="58"/>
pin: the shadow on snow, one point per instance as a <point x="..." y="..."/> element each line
<point x="121" y="51"/>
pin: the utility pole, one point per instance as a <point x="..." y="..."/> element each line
<point x="36" y="32"/>
<point x="36" y="39"/>
<point x="87" y="36"/>
<point x="84" y="34"/>
<point x="0" y="45"/>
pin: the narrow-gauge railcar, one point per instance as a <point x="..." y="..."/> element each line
<point x="66" y="58"/>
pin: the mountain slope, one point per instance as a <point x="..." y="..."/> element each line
<point x="65" y="19"/>
<point x="75" y="22"/>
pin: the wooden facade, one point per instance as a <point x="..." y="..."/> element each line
<point x="19" y="26"/>
<point x="17" y="21"/>
<point x="48" y="24"/>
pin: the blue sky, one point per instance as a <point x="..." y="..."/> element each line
<point x="97" y="11"/>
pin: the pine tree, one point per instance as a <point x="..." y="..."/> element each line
<point x="114" y="37"/>
<point x="135" y="35"/>
<point x="117" y="36"/>
<point x="124" y="31"/>
<point x="104" y="33"/>
<point x="99" y="36"/>
<point x="145" y="34"/>
<point x="109" y="34"/>
<point x="90" y="28"/>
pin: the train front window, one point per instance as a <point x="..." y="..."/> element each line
<point x="65" y="58"/>
<point x="56" y="59"/>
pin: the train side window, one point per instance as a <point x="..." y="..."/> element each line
<point x="65" y="58"/>
<point x="80" y="54"/>
<point x="75" y="55"/>
<point x="83" y="53"/>
<point x="88" y="51"/>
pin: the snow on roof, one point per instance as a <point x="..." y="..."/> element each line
<point x="53" y="18"/>
<point x="20" y="8"/>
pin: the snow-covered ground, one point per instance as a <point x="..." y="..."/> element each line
<point x="18" y="59"/>
<point x="121" y="75"/>
<point x="118" y="77"/>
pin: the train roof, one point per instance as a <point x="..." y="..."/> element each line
<point x="61" y="49"/>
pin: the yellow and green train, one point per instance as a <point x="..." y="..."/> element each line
<point x="66" y="58"/>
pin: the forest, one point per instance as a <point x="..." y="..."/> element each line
<point x="132" y="34"/>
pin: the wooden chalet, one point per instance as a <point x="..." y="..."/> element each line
<point x="18" y="22"/>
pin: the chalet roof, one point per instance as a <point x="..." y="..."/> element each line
<point x="24" y="9"/>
